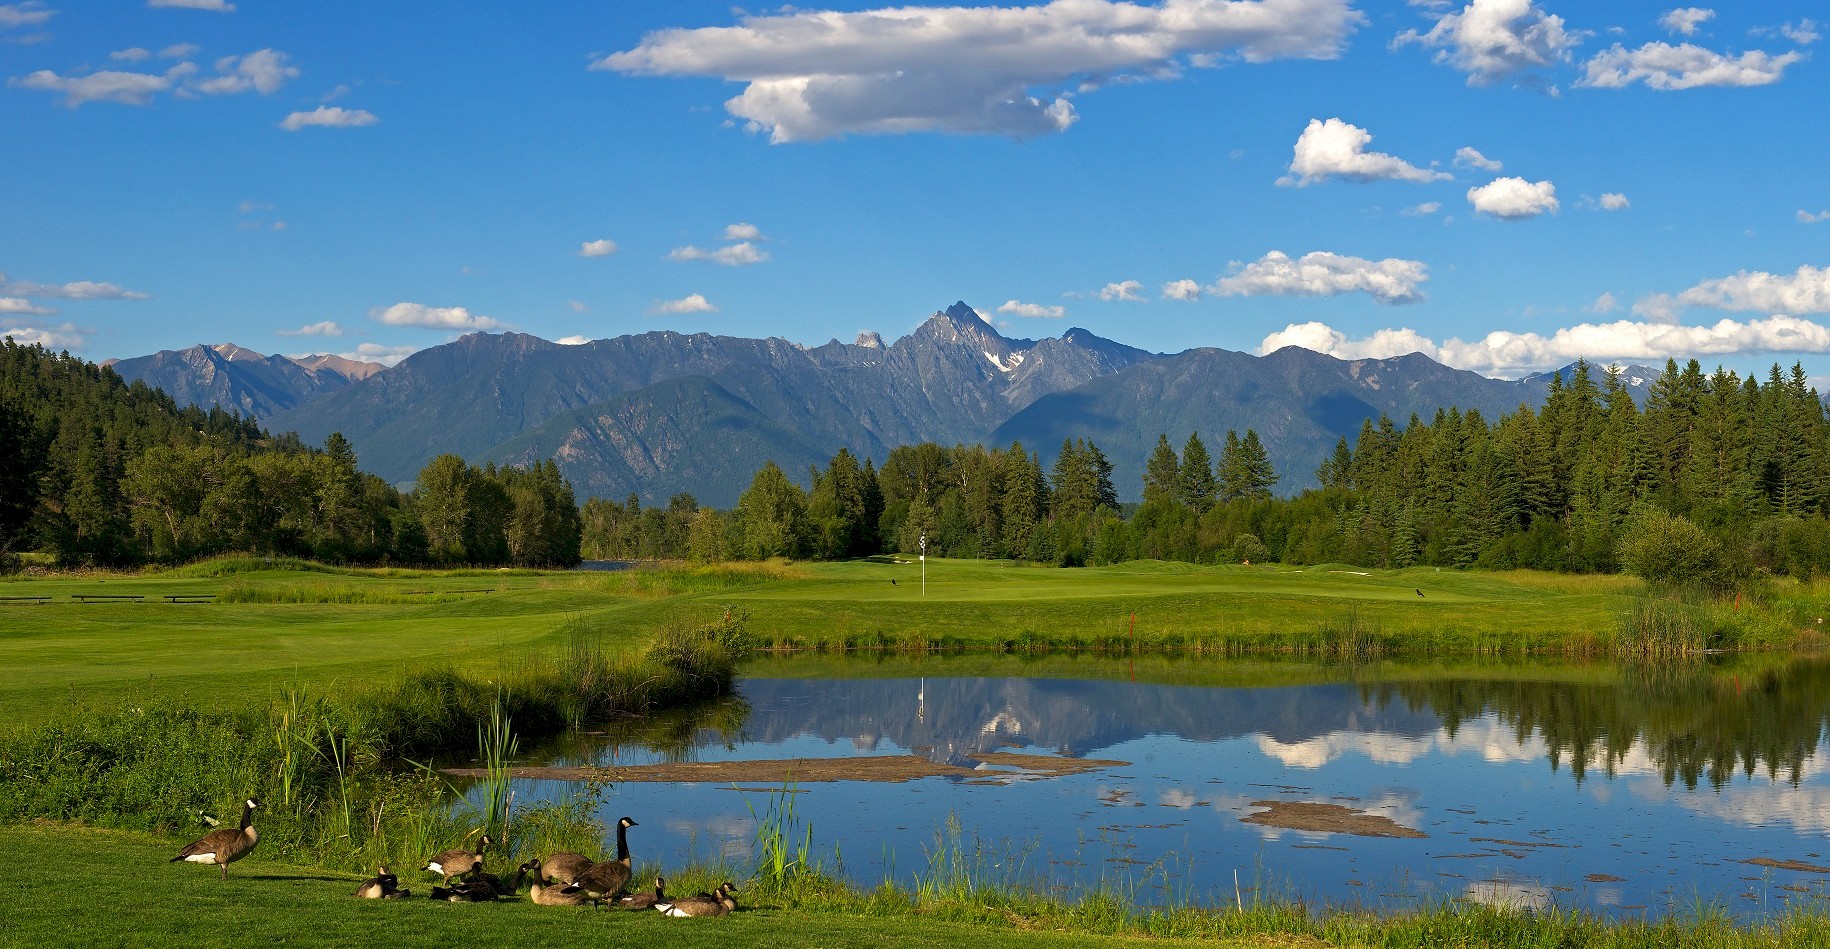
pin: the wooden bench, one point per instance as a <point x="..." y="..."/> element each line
<point x="25" y="599"/>
<point x="190" y="597"/>
<point x="106" y="597"/>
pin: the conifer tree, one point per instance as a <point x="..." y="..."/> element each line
<point x="1163" y="474"/>
<point x="1198" y="487"/>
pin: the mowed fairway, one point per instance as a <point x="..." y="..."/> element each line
<point x="278" y="628"/>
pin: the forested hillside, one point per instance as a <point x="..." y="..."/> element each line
<point x="1716" y="478"/>
<point x="97" y="471"/>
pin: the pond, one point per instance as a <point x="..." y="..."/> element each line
<point x="1622" y="790"/>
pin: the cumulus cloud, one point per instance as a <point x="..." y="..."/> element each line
<point x="741" y="254"/>
<point x="1181" y="290"/>
<point x="325" y="328"/>
<point x="18" y="305"/>
<point x="216" y="6"/>
<point x="1804" y="32"/>
<point x="1422" y="210"/>
<point x="1614" y="201"/>
<point x="1805" y="291"/>
<point x="434" y="317"/>
<point x="1504" y="353"/>
<point x="178" y="51"/>
<point x="132" y="55"/>
<point x="1034" y="310"/>
<point x="62" y="337"/>
<point x="78" y="290"/>
<point x="742" y="232"/>
<point x="1806" y="217"/>
<point x="1322" y="274"/>
<point x="1471" y="158"/>
<point x="1129" y="290"/>
<point x="376" y="352"/>
<point x="29" y="13"/>
<point x="1667" y="68"/>
<point x="597" y="248"/>
<point x="108" y="85"/>
<point x="691" y="303"/>
<point x="572" y="340"/>
<point x="1514" y="199"/>
<point x="1604" y="304"/>
<point x="264" y="71"/>
<point x="1006" y="70"/>
<point x="329" y="116"/>
<point x="1685" y="20"/>
<point x="1493" y="40"/>
<point x="577" y="306"/>
<point x="1337" y="149"/>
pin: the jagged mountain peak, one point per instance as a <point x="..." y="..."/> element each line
<point x="869" y="339"/>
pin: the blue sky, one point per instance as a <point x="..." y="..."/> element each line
<point x="1503" y="185"/>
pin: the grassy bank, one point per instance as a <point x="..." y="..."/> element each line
<point x="112" y="888"/>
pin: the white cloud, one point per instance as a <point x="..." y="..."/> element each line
<point x="691" y="303"/>
<point x="1604" y="304"/>
<point x="1181" y="290"/>
<point x="78" y="290"/>
<point x="735" y="255"/>
<point x="433" y="317"/>
<point x="1806" y="217"/>
<point x="132" y="55"/>
<point x="1614" y="201"/>
<point x="1804" y="32"/>
<point x="375" y="352"/>
<point x="1007" y="70"/>
<point x="597" y="248"/>
<point x="217" y="6"/>
<point x="1511" y="354"/>
<point x="17" y="305"/>
<point x="325" y="328"/>
<point x="29" y="13"/>
<point x="1337" y="149"/>
<point x="1514" y="199"/>
<point x="572" y="340"/>
<point x="178" y="51"/>
<point x="66" y="336"/>
<point x="577" y="306"/>
<point x="127" y="88"/>
<point x="1471" y="158"/>
<point x="1806" y="291"/>
<point x="1658" y="307"/>
<point x="1322" y="274"/>
<point x="1421" y="210"/>
<point x="1129" y="290"/>
<point x="1685" y="20"/>
<point x="743" y="232"/>
<point x="263" y="71"/>
<point x="1492" y="40"/>
<point x="329" y="116"/>
<point x="1665" y="67"/>
<point x="1034" y="310"/>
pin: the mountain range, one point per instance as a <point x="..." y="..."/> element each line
<point x="663" y="412"/>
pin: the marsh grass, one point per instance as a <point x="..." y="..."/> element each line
<point x="238" y="592"/>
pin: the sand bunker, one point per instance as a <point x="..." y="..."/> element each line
<point x="892" y="769"/>
<point x="1327" y="819"/>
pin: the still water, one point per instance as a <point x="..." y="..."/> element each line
<point x="1620" y="790"/>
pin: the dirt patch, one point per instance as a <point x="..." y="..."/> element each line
<point x="1327" y="819"/>
<point x="1044" y="765"/>
<point x="1604" y="878"/>
<point x="892" y="769"/>
<point x="1799" y="865"/>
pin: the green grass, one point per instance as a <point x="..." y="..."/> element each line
<point x="82" y="887"/>
<point x="284" y="625"/>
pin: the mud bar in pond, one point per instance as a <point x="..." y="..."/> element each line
<point x="890" y="769"/>
<point x="1327" y="819"/>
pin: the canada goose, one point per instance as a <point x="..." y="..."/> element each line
<point x="609" y="877"/>
<point x="465" y="891"/>
<point x="455" y="861"/>
<point x="705" y="904"/>
<point x="224" y="846"/>
<point x="564" y="867"/>
<point x="645" y="900"/>
<point x="545" y="895"/>
<point x="380" y="886"/>
<point x="477" y="876"/>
